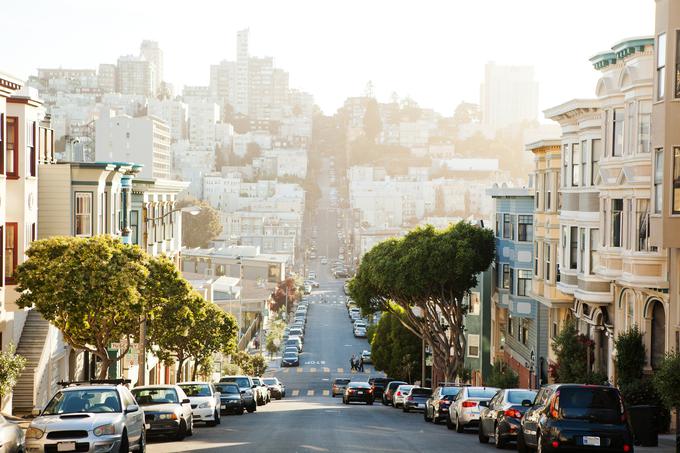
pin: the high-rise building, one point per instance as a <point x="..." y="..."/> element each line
<point x="174" y="113"/>
<point x="241" y="101"/>
<point x="509" y="95"/>
<point x="150" y="51"/>
<point x="202" y="119"/>
<point x="106" y="78"/>
<point x="136" y="76"/>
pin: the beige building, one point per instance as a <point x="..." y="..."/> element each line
<point x="548" y="163"/>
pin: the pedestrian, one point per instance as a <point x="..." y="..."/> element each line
<point x="352" y="363"/>
<point x="361" y="364"/>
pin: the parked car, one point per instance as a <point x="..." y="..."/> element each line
<point x="290" y="359"/>
<point x="366" y="355"/>
<point x="388" y="393"/>
<point x="231" y="400"/>
<point x="378" y="385"/>
<point x="80" y="416"/>
<point x="464" y="410"/>
<point x="358" y="391"/>
<point x="339" y="386"/>
<point x="167" y="410"/>
<point x="205" y="401"/>
<point x="500" y="417"/>
<point x="261" y="391"/>
<point x="416" y="399"/>
<point x="276" y="388"/>
<point x="360" y="332"/>
<point x="297" y="331"/>
<point x="400" y="395"/>
<point x="575" y="417"/>
<point x="437" y="406"/>
<point x="12" y="439"/>
<point x="307" y="289"/>
<point x="245" y="385"/>
<point x="294" y="341"/>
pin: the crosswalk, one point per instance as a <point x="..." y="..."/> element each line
<point x="322" y="370"/>
<point x="296" y="393"/>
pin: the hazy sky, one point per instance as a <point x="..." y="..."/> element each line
<point x="433" y="51"/>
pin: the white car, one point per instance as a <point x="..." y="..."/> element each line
<point x="360" y="332"/>
<point x="366" y="355"/>
<point x="464" y="409"/>
<point x="400" y="395"/>
<point x="359" y="323"/>
<point x="205" y="401"/>
<point x="102" y="417"/>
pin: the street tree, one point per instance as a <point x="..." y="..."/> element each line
<point x="667" y="383"/>
<point x="427" y="274"/>
<point x="213" y="331"/>
<point x="89" y="288"/>
<point x="11" y="367"/>
<point x="198" y="230"/>
<point x="259" y="364"/>
<point x="243" y="360"/>
<point x="395" y="349"/>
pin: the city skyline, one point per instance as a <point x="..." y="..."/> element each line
<point x="393" y="60"/>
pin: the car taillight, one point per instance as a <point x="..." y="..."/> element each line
<point x="370" y="390"/>
<point x="555" y="444"/>
<point x="514" y="413"/>
<point x="398" y="393"/>
<point x="350" y="391"/>
<point x="626" y="448"/>
<point x="410" y="398"/>
<point x="469" y="403"/>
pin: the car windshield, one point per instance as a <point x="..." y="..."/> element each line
<point x="290" y="355"/>
<point x="196" y="389"/>
<point x="270" y="381"/>
<point x="405" y="388"/>
<point x="341" y="381"/>
<point x="240" y="381"/>
<point x="359" y="385"/>
<point x="76" y="401"/>
<point x="150" y="396"/>
<point x="421" y="392"/>
<point x="450" y="391"/>
<point x="227" y="389"/>
<point x="517" y="396"/>
<point x="591" y="403"/>
<point x="481" y="393"/>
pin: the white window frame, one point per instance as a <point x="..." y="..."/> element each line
<point x="87" y="198"/>
<point x="473" y="342"/>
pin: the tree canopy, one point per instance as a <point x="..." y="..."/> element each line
<point x="395" y="349"/>
<point x="427" y="274"/>
<point x="200" y="229"/>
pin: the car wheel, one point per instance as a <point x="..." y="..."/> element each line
<point x="497" y="439"/>
<point x="182" y="431"/>
<point x="449" y="423"/>
<point x="370" y="403"/>
<point x="480" y="433"/>
<point x="405" y="409"/>
<point x="521" y="445"/>
<point x="539" y="443"/>
<point x="241" y="411"/>
<point x="252" y="408"/>
<point x="190" y="431"/>
<point x="214" y="421"/>
<point x="459" y="428"/>
<point x="425" y="417"/>
<point x="142" y="441"/>
<point x="124" y="444"/>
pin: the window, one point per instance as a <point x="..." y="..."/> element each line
<point x="575" y="162"/>
<point x="498" y="225"/>
<point x="546" y="260"/>
<point x="573" y="248"/>
<point x="473" y="345"/>
<point x="548" y="192"/>
<point x="507" y="226"/>
<point x="524" y="332"/>
<point x="643" y="225"/>
<point x="11" y="251"/>
<point x="512" y="281"/>
<point x="12" y="147"/>
<point x="644" y="127"/>
<point x="536" y="262"/>
<point x="83" y="213"/>
<point x="34" y="232"/>
<point x="525" y="228"/>
<point x="134" y="227"/>
<point x="661" y="67"/>
<point x="506" y="276"/>
<point x="523" y="282"/>
<point x="676" y="180"/>
<point x="630" y="129"/>
<point x="474" y="303"/>
<point x="582" y="250"/>
<point x="30" y="145"/>
<point x="555" y="329"/>
<point x="658" y="180"/>
<point x="594" y="246"/>
<point x="616" y="222"/>
<point x="565" y="165"/>
<point x="584" y="162"/>
<point x="596" y="155"/>
<point x="617" y="132"/>
<point x="510" y="326"/>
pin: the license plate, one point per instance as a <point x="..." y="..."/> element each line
<point x="591" y="440"/>
<point x="224" y="406"/>
<point x="147" y="426"/>
<point x="360" y="393"/>
<point x="66" y="446"/>
<point x="421" y="405"/>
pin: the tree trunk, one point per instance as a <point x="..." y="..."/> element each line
<point x="180" y="364"/>
<point x="194" y="373"/>
<point x="105" y="365"/>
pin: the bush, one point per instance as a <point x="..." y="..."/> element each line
<point x="667" y="382"/>
<point x="231" y="369"/>
<point x="502" y="376"/>
<point x="630" y="357"/>
<point x="571" y="349"/>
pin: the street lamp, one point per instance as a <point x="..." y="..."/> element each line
<point x="192" y="210"/>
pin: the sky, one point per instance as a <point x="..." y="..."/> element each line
<point x="433" y="51"/>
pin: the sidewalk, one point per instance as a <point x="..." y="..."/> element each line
<point x="666" y="445"/>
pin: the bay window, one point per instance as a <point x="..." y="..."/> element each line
<point x="658" y="180"/>
<point x="596" y="155"/>
<point x="661" y="66"/>
<point x="523" y="282"/>
<point x="616" y="222"/>
<point x="644" y="127"/>
<point x="575" y="164"/>
<point x="12" y="147"/>
<point x="573" y="248"/>
<point x="617" y="132"/>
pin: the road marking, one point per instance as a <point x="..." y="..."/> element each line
<point x="341" y="370"/>
<point x="326" y="393"/>
<point x="312" y="370"/>
<point x="299" y="370"/>
<point x="310" y="392"/>
<point x="326" y="369"/>
<point x="286" y="370"/>
<point x="296" y="393"/>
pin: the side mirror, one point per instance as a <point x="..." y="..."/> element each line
<point x="254" y="386"/>
<point x="527" y="403"/>
<point x="186" y="401"/>
<point x="483" y="404"/>
<point x="131" y="408"/>
<point x="35" y="412"/>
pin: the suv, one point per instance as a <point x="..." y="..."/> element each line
<point x="246" y="385"/>
<point x="575" y="417"/>
<point x="205" y="401"/>
<point x="388" y="393"/>
<point x="84" y="414"/>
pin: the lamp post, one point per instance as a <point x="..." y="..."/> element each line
<point x="141" y="353"/>
<point x="239" y="261"/>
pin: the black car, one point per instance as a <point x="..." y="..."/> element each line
<point x="290" y="359"/>
<point x="231" y="401"/>
<point x="358" y="392"/>
<point x="416" y="399"/>
<point x="437" y="406"/>
<point x="378" y="384"/>
<point x="501" y="416"/>
<point x="388" y="393"/>
<point x="575" y="417"/>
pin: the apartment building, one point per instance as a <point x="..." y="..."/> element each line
<point x="135" y="75"/>
<point x="546" y="176"/>
<point x="519" y="323"/>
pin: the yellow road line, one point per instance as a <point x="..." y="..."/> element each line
<point x="299" y="370"/>
<point x="326" y="393"/>
<point x="340" y="370"/>
<point x="296" y="393"/>
<point x="326" y="369"/>
<point x="312" y="370"/>
<point x="310" y="392"/>
<point x="286" y="370"/>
